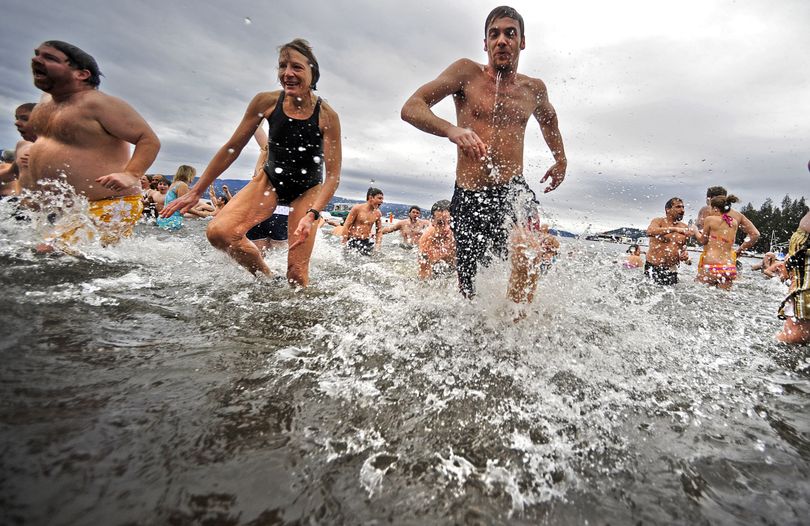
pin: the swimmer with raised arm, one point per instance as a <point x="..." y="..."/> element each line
<point x="304" y="134"/>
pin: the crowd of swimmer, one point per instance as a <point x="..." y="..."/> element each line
<point x="81" y="135"/>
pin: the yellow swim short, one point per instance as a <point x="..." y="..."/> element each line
<point x="109" y="219"/>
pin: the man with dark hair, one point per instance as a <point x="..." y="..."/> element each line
<point x="84" y="136"/>
<point x="668" y="236"/>
<point x="358" y="224"/>
<point x="745" y="224"/>
<point x="437" y="246"/>
<point x="410" y="228"/>
<point x="493" y="106"/>
<point x="12" y="173"/>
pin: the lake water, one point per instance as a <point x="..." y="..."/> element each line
<point x="156" y="382"/>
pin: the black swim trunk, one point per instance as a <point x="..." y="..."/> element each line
<point x="660" y="274"/>
<point x="273" y="228"/>
<point x="481" y="222"/>
<point x="361" y="246"/>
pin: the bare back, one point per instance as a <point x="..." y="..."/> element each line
<point x="719" y="248"/>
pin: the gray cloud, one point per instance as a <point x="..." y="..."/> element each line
<point x="651" y="104"/>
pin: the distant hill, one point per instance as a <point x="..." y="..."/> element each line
<point x="616" y="234"/>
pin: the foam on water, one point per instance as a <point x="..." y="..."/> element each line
<point x="399" y="397"/>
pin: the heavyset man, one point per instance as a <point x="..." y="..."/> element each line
<point x="84" y="136"/>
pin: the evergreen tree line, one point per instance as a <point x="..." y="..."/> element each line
<point x="775" y="224"/>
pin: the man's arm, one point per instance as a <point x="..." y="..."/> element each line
<point x="701" y="217"/>
<point x="546" y="115"/>
<point x="349" y="223"/>
<point x="417" y="112"/>
<point x="425" y="268"/>
<point x="751" y="232"/>
<point x="656" y="229"/>
<point x="120" y="120"/>
<point x="378" y="230"/>
<point x="396" y="226"/>
<point x="7" y="173"/>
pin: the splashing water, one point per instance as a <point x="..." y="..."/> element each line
<point x="159" y="382"/>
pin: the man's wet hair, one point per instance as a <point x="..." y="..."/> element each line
<point x="504" y="11"/>
<point x="440" y="206"/>
<point x="714" y="191"/>
<point x="414" y="207"/>
<point x="78" y="59"/>
<point x="303" y="47"/>
<point x="672" y="202"/>
<point x="723" y="202"/>
<point x="28" y="106"/>
<point x="373" y="191"/>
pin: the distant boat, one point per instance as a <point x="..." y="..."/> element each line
<point x="341" y="209"/>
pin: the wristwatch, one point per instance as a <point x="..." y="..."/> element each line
<point x="314" y="213"/>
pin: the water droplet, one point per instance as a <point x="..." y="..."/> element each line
<point x="248" y="21"/>
<point x="278" y="170"/>
<point x="230" y="150"/>
<point x="267" y="193"/>
<point x="301" y="149"/>
<point x="303" y="170"/>
<point x="316" y="159"/>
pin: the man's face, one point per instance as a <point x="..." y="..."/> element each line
<point x="294" y="73"/>
<point x="441" y="221"/>
<point x="414" y="214"/>
<point x="51" y="68"/>
<point x="376" y="201"/>
<point x="503" y="43"/>
<point x="677" y="211"/>
<point x="23" y="125"/>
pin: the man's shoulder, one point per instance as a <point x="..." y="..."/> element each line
<point x="465" y="68"/>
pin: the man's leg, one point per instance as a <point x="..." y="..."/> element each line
<point x="526" y="252"/>
<point x="470" y="240"/>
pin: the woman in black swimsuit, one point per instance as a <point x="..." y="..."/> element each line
<point x="304" y="133"/>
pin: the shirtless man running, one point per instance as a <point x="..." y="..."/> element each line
<point x="84" y="136"/>
<point x="411" y="228"/>
<point x="493" y="106"/>
<point x="668" y="236"/>
<point x="437" y="247"/>
<point x="357" y="227"/>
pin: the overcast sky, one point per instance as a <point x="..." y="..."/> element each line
<point x="654" y="99"/>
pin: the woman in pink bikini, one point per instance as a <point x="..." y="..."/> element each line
<point x="718" y="262"/>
